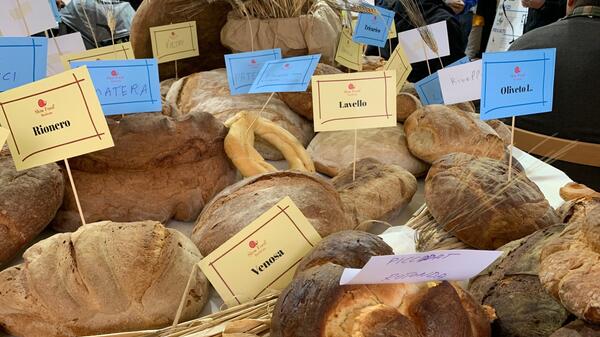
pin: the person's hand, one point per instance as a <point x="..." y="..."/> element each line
<point x="60" y="4"/>
<point x="456" y="5"/>
<point x="535" y="4"/>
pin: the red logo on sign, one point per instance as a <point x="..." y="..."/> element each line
<point x="252" y="244"/>
<point x="286" y="66"/>
<point x="114" y="73"/>
<point x="351" y="86"/>
<point x="253" y="61"/>
<point x="517" y="70"/>
<point x="41" y="103"/>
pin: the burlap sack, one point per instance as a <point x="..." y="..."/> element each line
<point x="316" y="33"/>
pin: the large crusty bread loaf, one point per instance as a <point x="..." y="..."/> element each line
<point x="105" y="277"/>
<point x="485" y="209"/>
<point x="209" y="92"/>
<point x="436" y="130"/>
<point x="161" y="167"/>
<point x="28" y="202"/>
<point x="240" y="204"/>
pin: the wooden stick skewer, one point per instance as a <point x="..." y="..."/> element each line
<point x="512" y="144"/>
<point x="74" y="192"/>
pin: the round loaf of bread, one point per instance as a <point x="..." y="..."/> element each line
<point x="486" y="210"/>
<point x="105" y="277"/>
<point x="334" y="151"/>
<point x="570" y="264"/>
<point x="406" y="104"/>
<point x="578" y="328"/>
<point x="436" y="130"/>
<point x="209" y="92"/>
<point x="379" y="192"/>
<point x="28" y="202"/>
<point x="210" y="17"/>
<point x="301" y="102"/>
<point x="161" y="167"/>
<point x="240" y="204"/>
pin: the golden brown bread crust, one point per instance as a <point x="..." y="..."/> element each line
<point x="383" y="321"/>
<point x="406" y="104"/>
<point x="301" y="102"/>
<point x="570" y="263"/>
<point x="501" y="129"/>
<point x="349" y="249"/>
<point x="436" y="130"/>
<point x="578" y="329"/>
<point x="239" y="204"/>
<point x="486" y="211"/>
<point x="575" y="191"/>
<point x="372" y="63"/>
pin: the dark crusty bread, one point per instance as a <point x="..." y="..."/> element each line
<point x="485" y="210"/>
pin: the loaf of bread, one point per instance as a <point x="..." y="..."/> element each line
<point x="406" y="104"/>
<point x="512" y="287"/>
<point x="570" y="264"/>
<point x="473" y="198"/>
<point x="379" y="192"/>
<point x="436" y="130"/>
<point x="105" y="277"/>
<point x="372" y="63"/>
<point x="210" y="17"/>
<point x="301" y="102"/>
<point x="28" y="202"/>
<point x="578" y="328"/>
<point x="334" y="151"/>
<point x="161" y="167"/>
<point x="240" y="204"/>
<point x="209" y="92"/>
<point x="316" y="305"/>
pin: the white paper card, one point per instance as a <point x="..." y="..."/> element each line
<point x="421" y="267"/>
<point x="461" y="83"/>
<point x="64" y="44"/>
<point x="508" y="25"/>
<point x="25" y="17"/>
<point x="417" y="50"/>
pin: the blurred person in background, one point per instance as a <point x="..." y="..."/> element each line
<point x="543" y="12"/>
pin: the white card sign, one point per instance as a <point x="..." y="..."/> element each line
<point x="461" y="83"/>
<point x="508" y="25"/>
<point x="417" y="50"/>
<point x="61" y="45"/>
<point x="421" y="267"/>
<point x="25" y="17"/>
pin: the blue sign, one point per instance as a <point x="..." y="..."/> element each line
<point x="22" y="60"/>
<point x="243" y="68"/>
<point x="429" y="89"/>
<point x="373" y="29"/>
<point x="125" y="86"/>
<point x="55" y="11"/>
<point x="289" y="74"/>
<point x="517" y="83"/>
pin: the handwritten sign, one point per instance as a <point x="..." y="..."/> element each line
<point x="417" y="50"/>
<point x="289" y="74"/>
<point x="429" y="89"/>
<point x="25" y="17"/>
<point x="421" y="267"/>
<point x="517" y="83"/>
<point x="508" y="25"/>
<point x="399" y="62"/>
<point x="174" y="42"/>
<point x="64" y="44"/>
<point x="121" y="51"/>
<point x="53" y="119"/>
<point x="461" y="83"/>
<point x="125" y="86"/>
<point x="373" y="29"/>
<point x="354" y="101"/>
<point x="242" y="68"/>
<point x="261" y="257"/>
<point x="349" y="53"/>
<point x="3" y="135"/>
<point x="22" y="60"/>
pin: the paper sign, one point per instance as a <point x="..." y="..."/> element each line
<point x="392" y="32"/>
<point x="508" y="25"/>
<point x="52" y="119"/>
<point x="125" y="86"/>
<point x="174" y="42"/>
<point x="417" y="50"/>
<point x="121" y="51"/>
<point x="3" y="135"/>
<point x="354" y="101"/>
<point x="451" y="265"/>
<point x="461" y="83"/>
<point x="22" y="60"/>
<point x="429" y="89"/>
<point x="349" y="53"/>
<point x="517" y="83"/>
<point x="242" y="68"/>
<point x="25" y="17"/>
<point x="399" y="62"/>
<point x="60" y="45"/>
<point x="262" y="256"/>
<point x="289" y="74"/>
<point x="373" y="29"/>
<point x="55" y="11"/>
